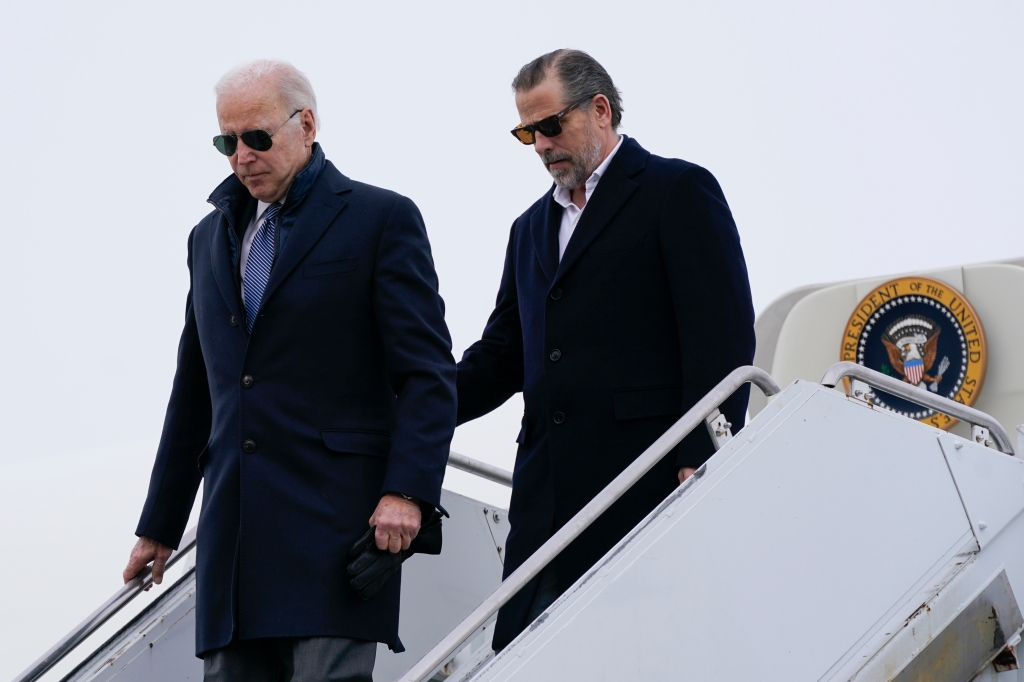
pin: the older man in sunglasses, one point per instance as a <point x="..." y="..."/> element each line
<point x="314" y="396"/>
<point x="624" y="300"/>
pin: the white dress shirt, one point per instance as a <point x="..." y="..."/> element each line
<point x="250" y="233"/>
<point x="571" y="212"/>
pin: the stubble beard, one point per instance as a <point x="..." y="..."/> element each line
<point x="581" y="165"/>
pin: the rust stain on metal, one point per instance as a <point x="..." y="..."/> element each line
<point x="1006" y="660"/>
<point x="918" y="611"/>
<point x="976" y="637"/>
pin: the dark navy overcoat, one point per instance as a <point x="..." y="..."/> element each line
<point x="344" y="390"/>
<point x="648" y="309"/>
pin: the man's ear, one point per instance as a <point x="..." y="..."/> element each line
<point x="308" y="126"/>
<point x="603" y="109"/>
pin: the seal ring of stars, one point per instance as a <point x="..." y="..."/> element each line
<point x="939" y="308"/>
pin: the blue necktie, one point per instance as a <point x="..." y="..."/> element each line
<point x="257" y="267"/>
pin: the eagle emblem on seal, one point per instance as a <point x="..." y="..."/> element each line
<point x="912" y="343"/>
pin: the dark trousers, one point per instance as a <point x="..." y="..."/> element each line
<point x="289" y="659"/>
<point x="547" y="593"/>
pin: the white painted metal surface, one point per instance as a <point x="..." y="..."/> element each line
<point x="805" y="552"/>
<point x="437" y="592"/>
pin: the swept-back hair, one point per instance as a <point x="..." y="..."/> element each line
<point x="581" y="75"/>
<point x="295" y="88"/>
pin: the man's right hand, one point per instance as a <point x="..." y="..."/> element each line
<point x="146" y="550"/>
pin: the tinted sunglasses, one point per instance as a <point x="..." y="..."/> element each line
<point x="257" y="140"/>
<point x="548" y="127"/>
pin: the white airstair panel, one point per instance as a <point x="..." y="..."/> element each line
<point x="810" y="542"/>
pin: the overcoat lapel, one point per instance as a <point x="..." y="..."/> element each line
<point x="544" y="231"/>
<point x="224" y="269"/>
<point x="319" y="209"/>
<point x="228" y="198"/>
<point x="612" y="192"/>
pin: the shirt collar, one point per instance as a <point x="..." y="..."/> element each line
<point x="563" y="197"/>
<point x="262" y="206"/>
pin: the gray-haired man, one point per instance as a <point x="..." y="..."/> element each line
<point x="314" y="396"/>
<point x="624" y="300"/>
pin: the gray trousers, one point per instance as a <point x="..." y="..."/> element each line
<point x="291" y="659"/>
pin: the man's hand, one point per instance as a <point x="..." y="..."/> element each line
<point x="146" y="550"/>
<point x="685" y="473"/>
<point x="398" y="522"/>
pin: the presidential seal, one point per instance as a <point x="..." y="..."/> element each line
<point x="925" y="333"/>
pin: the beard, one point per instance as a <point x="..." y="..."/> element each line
<point x="581" y="164"/>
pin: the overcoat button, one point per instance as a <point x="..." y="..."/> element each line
<point x="559" y="417"/>
<point x="234" y="322"/>
<point x="247" y="381"/>
<point x="556" y="355"/>
<point x="249" y="446"/>
<point x="556" y="294"/>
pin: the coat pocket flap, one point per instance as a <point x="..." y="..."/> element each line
<point x="329" y="267"/>
<point x="661" y="401"/>
<point x="374" y="443"/>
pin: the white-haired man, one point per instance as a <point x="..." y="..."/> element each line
<point x="314" y="396"/>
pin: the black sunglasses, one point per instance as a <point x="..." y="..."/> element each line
<point x="257" y="140"/>
<point x="548" y="127"/>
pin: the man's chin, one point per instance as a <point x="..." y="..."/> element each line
<point x="563" y="179"/>
<point x="259" y="190"/>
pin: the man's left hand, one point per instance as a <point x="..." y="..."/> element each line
<point x="398" y="522"/>
<point x="685" y="473"/>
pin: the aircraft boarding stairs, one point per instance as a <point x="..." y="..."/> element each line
<point x="826" y="540"/>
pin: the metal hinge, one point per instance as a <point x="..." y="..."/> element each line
<point x="980" y="434"/>
<point x="718" y="428"/>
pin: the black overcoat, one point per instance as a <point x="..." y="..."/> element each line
<point x="344" y="390"/>
<point x="648" y="309"/>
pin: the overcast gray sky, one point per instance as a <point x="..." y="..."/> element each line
<point x="851" y="139"/>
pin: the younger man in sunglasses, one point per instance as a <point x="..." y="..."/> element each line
<point x="314" y="396"/>
<point x="623" y="301"/>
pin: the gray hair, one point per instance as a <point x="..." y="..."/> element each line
<point x="581" y="75"/>
<point x="295" y="88"/>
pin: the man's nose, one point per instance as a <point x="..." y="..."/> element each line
<point x="542" y="143"/>
<point x="245" y="153"/>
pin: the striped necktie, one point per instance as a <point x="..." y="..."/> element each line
<point x="257" y="267"/>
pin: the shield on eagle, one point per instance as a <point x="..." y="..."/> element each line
<point x="912" y="343"/>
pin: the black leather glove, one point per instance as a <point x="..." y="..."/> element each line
<point x="370" y="567"/>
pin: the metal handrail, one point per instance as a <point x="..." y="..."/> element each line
<point x="481" y="469"/>
<point x="902" y="389"/>
<point x="97" y="618"/>
<point x="586" y="516"/>
<point x="144" y="579"/>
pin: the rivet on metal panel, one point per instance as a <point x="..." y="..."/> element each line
<point x="497" y="517"/>
<point x="958" y="446"/>
<point x="982" y="525"/>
